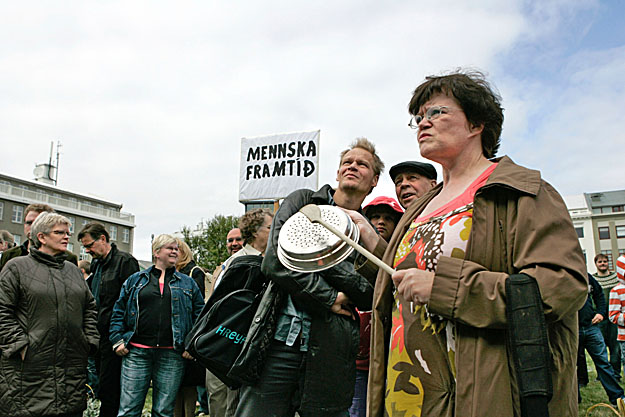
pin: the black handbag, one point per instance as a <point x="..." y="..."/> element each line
<point x="217" y="338"/>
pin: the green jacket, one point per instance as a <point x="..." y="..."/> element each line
<point x="47" y="308"/>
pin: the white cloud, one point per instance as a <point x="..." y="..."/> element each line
<point x="150" y="99"/>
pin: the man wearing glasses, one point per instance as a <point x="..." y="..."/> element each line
<point x="31" y="212"/>
<point x="110" y="268"/>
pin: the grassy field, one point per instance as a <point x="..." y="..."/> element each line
<point x="594" y="394"/>
<point x="591" y="395"/>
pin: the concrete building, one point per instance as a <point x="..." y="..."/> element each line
<point x="599" y="219"/>
<point x="16" y="194"/>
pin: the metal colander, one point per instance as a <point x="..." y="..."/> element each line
<point x="304" y="246"/>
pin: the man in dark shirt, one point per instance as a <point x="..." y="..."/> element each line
<point x="110" y="268"/>
<point x="590" y="338"/>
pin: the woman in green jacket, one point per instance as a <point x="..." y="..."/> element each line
<point x="47" y="327"/>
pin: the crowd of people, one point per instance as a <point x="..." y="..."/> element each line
<point x="438" y="337"/>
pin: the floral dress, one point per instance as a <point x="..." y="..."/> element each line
<point x="420" y="374"/>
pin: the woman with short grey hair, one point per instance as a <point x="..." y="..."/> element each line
<point x="47" y="327"/>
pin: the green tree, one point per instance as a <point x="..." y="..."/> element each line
<point x="209" y="242"/>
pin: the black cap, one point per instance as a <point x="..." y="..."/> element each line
<point x="422" y="168"/>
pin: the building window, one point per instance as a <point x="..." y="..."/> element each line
<point x="17" y="239"/>
<point x="617" y="209"/>
<point x="1" y="210"/>
<point x="18" y="214"/>
<point x="604" y="233"/>
<point x="580" y="232"/>
<point x="125" y="235"/>
<point x="84" y="256"/>
<point x="113" y="232"/>
<point x="620" y="231"/>
<point x="41" y="195"/>
<point x="608" y="253"/>
<point x="70" y="247"/>
<point x="72" y="224"/>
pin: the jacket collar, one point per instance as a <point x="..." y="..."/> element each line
<point x="108" y="256"/>
<point x="506" y="174"/>
<point x="325" y="195"/>
<point x="48" y="260"/>
<point x="511" y="175"/>
<point x="146" y="273"/>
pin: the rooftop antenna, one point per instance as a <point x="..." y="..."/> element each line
<point x="49" y="173"/>
<point x="56" y="176"/>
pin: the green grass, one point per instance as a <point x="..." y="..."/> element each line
<point x="593" y="394"/>
<point x="93" y="407"/>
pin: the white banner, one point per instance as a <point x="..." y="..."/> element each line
<point x="274" y="166"/>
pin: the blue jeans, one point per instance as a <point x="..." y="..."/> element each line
<point x="92" y="376"/>
<point x="359" y="403"/>
<point x="590" y="338"/>
<point x="164" y="367"/>
<point x="202" y="397"/>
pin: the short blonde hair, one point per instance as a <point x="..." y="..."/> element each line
<point x="44" y="224"/>
<point x="162" y="240"/>
<point x="367" y="145"/>
<point x="184" y="254"/>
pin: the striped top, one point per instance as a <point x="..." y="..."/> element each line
<point x="607" y="281"/>
<point x="616" y="309"/>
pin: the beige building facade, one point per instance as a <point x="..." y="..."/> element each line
<point x="599" y="219"/>
<point x="17" y="193"/>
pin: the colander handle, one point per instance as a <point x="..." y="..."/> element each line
<point x="314" y="215"/>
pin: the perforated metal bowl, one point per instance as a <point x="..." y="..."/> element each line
<point x="304" y="246"/>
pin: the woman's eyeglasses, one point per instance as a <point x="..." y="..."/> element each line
<point x="430" y="114"/>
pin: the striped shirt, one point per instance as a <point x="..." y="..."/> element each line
<point x="616" y="309"/>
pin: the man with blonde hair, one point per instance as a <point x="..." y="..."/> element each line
<point x="310" y="364"/>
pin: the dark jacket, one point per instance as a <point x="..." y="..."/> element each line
<point x="595" y="304"/>
<point x="117" y="266"/>
<point x="329" y="378"/>
<point x="186" y="304"/>
<point x="45" y="306"/>
<point x="194" y="271"/>
<point x="22" y="250"/>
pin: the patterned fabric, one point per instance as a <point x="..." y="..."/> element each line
<point x="606" y="281"/>
<point x="421" y="363"/>
<point x="616" y="308"/>
<point x="620" y="267"/>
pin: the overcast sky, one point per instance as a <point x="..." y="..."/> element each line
<point x="151" y="99"/>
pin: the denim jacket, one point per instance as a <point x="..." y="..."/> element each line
<point x="186" y="304"/>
